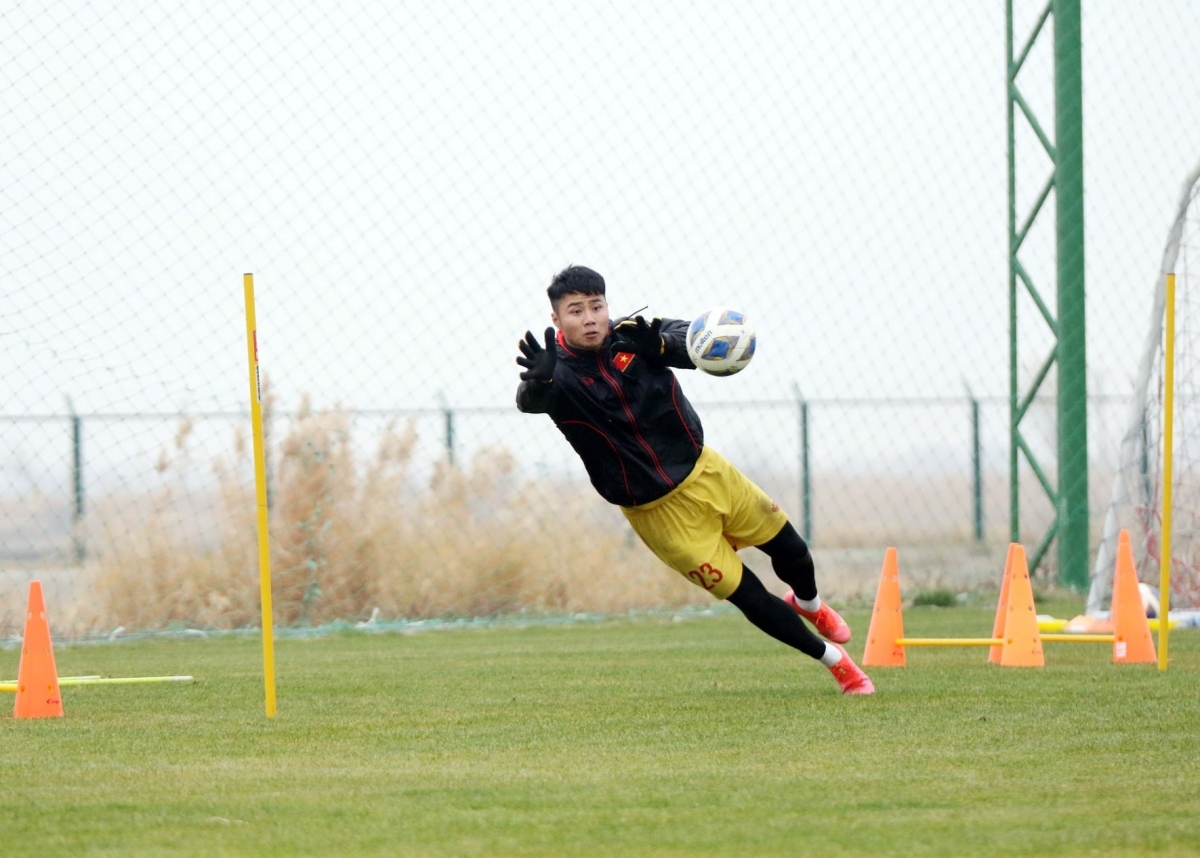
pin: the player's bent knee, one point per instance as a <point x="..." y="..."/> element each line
<point x="787" y="543"/>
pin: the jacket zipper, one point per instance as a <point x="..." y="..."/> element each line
<point x="632" y="422"/>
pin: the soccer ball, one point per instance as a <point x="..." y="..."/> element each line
<point x="721" y="341"/>
<point x="1149" y="599"/>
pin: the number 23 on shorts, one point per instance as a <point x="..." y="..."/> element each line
<point x="706" y="576"/>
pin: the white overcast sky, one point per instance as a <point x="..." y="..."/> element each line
<point x="403" y="179"/>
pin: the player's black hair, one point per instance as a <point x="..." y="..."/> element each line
<point x="574" y="279"/>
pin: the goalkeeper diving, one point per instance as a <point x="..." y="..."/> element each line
<point x="612" y="392"/>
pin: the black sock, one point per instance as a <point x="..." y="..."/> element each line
<point x="774" y="616"/>
<point x="792" y="562"/>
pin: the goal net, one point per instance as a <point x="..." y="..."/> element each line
<point x="1136" y="502"/>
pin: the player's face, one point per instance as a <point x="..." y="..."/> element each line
<point x="583" y="319"/>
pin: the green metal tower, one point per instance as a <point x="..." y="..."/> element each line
<point x="1066" y="322"/>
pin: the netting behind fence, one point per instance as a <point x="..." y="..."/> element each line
<point x="1139" y="501"/>
<point x="403" y="181"/>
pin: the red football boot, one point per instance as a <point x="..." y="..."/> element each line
<point x="850" y="677"/>
<point x="829" y="625"/>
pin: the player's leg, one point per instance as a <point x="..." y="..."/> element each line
<point x="793" y="563"/>
<point x="685" y="532"/>
<point x="754" y="519"/>
<point x="772" y="615"/>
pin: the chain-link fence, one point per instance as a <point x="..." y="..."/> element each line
<point x="403" y="180"/>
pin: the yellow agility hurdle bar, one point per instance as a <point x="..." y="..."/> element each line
<point x="99" y="680"/>
<point x="1053" y="638"/>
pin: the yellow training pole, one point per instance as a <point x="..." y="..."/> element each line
<point x="260" y="484"/>
<point x="66" y="681"/>
<point x="1000" y="641"/>
<point x="61" y="679"/>
<point x="1072" y="638"/>
<point x="1164" y="582"/>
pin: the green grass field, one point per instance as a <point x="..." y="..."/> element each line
<point x="626" y="737"/>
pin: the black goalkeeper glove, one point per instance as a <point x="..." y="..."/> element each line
<point x="538" y="362"/>
<point x="636" y="337"/>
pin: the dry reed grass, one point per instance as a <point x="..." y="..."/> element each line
<point x="351" y="534"/>
<point x="354" y="532"/>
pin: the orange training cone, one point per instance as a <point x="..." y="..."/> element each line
<point x="1022" y="640"/>
<point x="37" y="678"/>
<point x="887" y="619"/>
<point x="1002" y="606"/>
<point x="1132" y="643"/>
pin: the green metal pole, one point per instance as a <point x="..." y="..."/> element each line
<point x="977" y="469"/>
<point x="77" y="486"/>
<point x="1014" y="507"/>
<point x="1073" y="536"/>
<point x="449" y="414"/>
<point x="1147" y="486"/>
<point x="807" y="475"/>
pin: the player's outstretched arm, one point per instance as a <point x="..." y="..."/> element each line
<point x="639" y="337"/>
<point x="536" y="389"/>
<point x="674" y="334"/>
<point x="660" y="342"/>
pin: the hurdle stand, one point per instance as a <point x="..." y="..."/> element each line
<point x="1016" y="640"/>
<point x="37" y="686"/>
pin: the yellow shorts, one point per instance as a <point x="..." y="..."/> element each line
<point x="698" y="527"/>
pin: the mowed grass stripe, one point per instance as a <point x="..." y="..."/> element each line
<point x="633" y="736"/>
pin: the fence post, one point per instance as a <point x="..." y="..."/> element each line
<point x="77" y="485"/>
<point x="976" y="466"/>
<point x="449" y="433"/>
<point x="805" y="474"/>
<point x="1147" y="485"/>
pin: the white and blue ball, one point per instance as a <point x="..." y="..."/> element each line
<point x="1149" y="600"/>
<point x="721" y="341"/>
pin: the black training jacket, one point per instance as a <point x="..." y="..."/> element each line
<point x="625" y="415"/>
